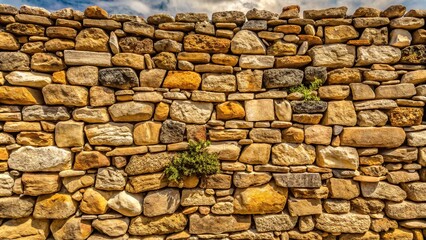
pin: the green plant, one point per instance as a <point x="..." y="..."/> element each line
<point x="308" y="91"/>
<point x="195" y="161"/>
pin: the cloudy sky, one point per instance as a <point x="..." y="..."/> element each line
<point x="148" y="7"/>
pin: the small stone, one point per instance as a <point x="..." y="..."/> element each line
<point x="230" y="110"/>
<point x="340" y="113"/>
<point x="69" y="134"/>
<point x="244" y="180"/>
<point x="147" y="182"/>
<point x="304" y="207"/>
<point x="119" y="77"/>
<point x="280" y="48"/>
<point x="110" y="179"/>
<point x="92" y="39"/>
<point x="172" y="131"/>
<point x="219" y="82"/>
<point x="318" y="134"/>
<point x="161" y="202"/>
<point x="95" y="12"/>
<point x="344" y="76"/>
<point x="126" y="203"/>
<point x="111" y="134"/>
<point x="205" y="43"/>
<point x="166" y="224"/>
<point x="139" y="28"/>
<point x="148" y="163"/>
<point x="46" y="62"/>
<point x="405" y="116"/>
<point x="337" y="157"/>
<point x="101" y="96"/>
<point x="247" y="42"/>
<point x="213" y="224"/>
<point x="400" y="38"/>
<point x="256" y="61"/>
<point x="308" y="106"/>
<point x="136" y="45"/>
<point x="344" y="223"/>
<point x="112" y="227"/>
<point x="343" y="188"/>
<point x="58" y="94"/>
<point x="94" y="202"/>
<point x="298" y="180"/>
<point x="84" y="75"/>
<point x="91" y="115"/>
<point x="274" y="222"/>
<point x="182" y="79"/>
<point x="256" y="153"/>
<point x="14" y="61"/>
<point x="8" y="42"/>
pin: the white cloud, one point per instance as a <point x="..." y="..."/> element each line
<point x="149" y="7"/>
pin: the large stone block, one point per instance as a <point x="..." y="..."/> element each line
<point x="213" y="224"/>
<point x="389" y="137"/>
<point x="268" y="198"/>
<point x="143" y="226"/>
<point x="274" y="222"/>
<point x="44" y="159"/>
<point x="343" y="223"/>
<point x="333" y="55"/>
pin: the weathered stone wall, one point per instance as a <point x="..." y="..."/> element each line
<point x="93" y="107"/>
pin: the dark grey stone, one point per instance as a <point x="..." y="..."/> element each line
<point x="414" y="54"/>
<point x="282" y="77"/>
<point x="172" y="131"/>
<point x="120" y="77"/>
<point x="302" y="180"/>
<point x="313" y="73"/>
<point x="344" y="173"/>
<point x="308" y="106"/>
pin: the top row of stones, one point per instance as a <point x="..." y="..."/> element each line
<point x="237" y="17"/>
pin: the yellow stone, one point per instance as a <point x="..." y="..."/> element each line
<point x="4" y="155"/>
<point x="205" y="43"/>
<point x="20" y="95"/>
<point x="182" y="79"/>
<point x="264" y="199"/>
<point x="55" y="206"/>
<point x="230" y="110"/>
<point x="147" y="133"/>
<point x="94" y="202"/>
<point x="59" y="77"/>
<point x="161" y="111"/>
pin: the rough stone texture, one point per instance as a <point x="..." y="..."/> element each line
<point x="345" y="223"/>
<point x="379" y="137"/>
<point x="199" y="224"/>
<point x="267" y="198"/>
<point x="143" y="226"/>
<point x="95" y="106"/>
<point x="333" y="55"/>
<point x="31" y="159"/>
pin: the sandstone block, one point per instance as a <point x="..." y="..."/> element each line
<point x="372" y="137"/>
<point x="298" y="180"/>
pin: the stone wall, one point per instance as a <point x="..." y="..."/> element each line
<point x="94" y="107"/>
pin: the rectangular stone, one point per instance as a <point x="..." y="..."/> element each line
<point x="256" y="61"/>
<point x="304" y="180"/>
<point x="75" y="58"/>
<point x="199" y="224"/>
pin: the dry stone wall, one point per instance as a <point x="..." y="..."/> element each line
<point x="95" y="106"/>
